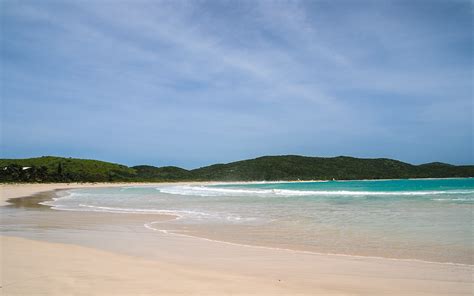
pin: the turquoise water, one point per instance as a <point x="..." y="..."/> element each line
<point x="407" y="185"/>
<point x="430" y="220"/>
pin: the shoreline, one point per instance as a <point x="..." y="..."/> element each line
<point x="147" y="225"/>
<point x="24" y="190"/>
<point x="228" y="268"/>
<point x="36" y="200"/>
<point x="10" y="190"/>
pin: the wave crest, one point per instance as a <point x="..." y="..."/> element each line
<point x="214" y="191"/>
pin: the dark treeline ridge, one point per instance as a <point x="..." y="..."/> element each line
<point x="266" y="168"/>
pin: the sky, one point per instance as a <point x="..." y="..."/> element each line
<point x="191" y="83"/>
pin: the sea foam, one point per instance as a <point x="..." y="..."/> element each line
<point x="215" y="191"/>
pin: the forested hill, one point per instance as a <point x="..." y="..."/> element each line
<point x="293" y="167"/>
<point x="60" y="169"/>
<point x="269" y="168"/>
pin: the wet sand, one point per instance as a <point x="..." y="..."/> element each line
<point x="49" y="252"/>
<point x="8" y="191"/>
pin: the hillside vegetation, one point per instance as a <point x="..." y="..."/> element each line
<point x="292" y="167"/>
<point x="267" y="168"/>
<point x="60" y="169"/>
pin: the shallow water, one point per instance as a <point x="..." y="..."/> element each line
<point x="430" y="220"/>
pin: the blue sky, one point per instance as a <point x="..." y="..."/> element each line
<point x="191" y="83"/>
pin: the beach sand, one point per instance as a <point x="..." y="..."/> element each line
<point x="83" y="253"/>
<point x="8" y="191"/>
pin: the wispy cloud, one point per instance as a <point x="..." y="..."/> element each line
<point x="205" y="81"/>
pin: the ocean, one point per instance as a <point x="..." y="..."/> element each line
<point x="417" y="219"/>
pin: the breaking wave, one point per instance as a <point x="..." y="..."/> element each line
<point x="216" y="191"/>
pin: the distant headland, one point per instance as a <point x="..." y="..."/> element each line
<point x="266" y="168"/>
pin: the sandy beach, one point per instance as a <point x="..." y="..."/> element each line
<point x="84" y="253"/>
<point x="8" y="191"/>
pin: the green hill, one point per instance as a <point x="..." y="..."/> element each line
<point x="269" y="168"/>
<point x="168" y="173"/>
<point x="293" y="167"/>
<point x="60" y="169"/>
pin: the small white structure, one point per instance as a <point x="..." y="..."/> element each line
<point x="25" y="168"/>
